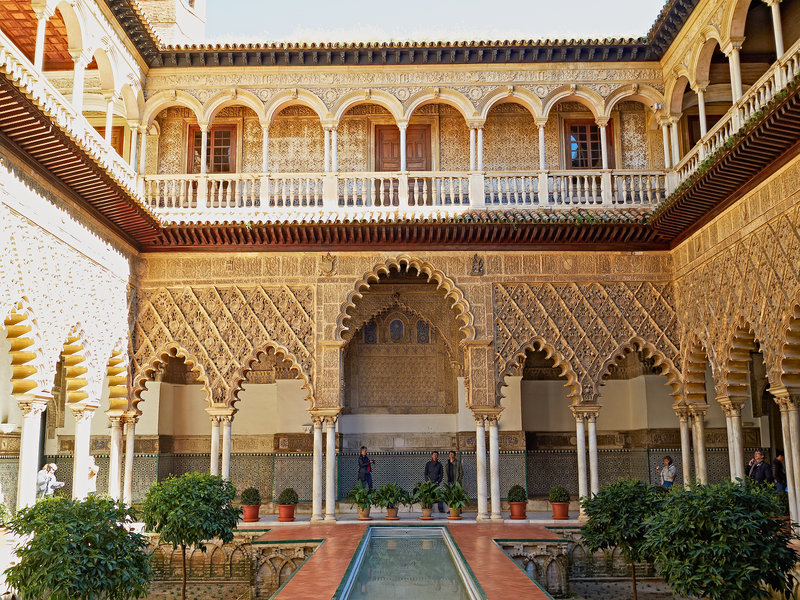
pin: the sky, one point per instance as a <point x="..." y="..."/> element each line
<point x="422" y="20"/>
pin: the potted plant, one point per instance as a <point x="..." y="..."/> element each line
<point x="456" y="498"/>
<point x="390" y="497"/>
<point x="251" y="503"/>
<point x="363" y="498"/>
<point x="559" y="498"/>
<point x="426" y="493"/>
<point x="287" y="501"/>
<point x="518" y="501"/>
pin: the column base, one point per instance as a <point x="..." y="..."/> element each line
<point x="496" y="517"/>
<point x="482" y="517"/>
<point x="317" y="519"/>
<point x="330" y="518"/>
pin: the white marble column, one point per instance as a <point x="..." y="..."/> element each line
<point x="686" y="454"/>
<point x="80" y="454"/>
<point x="729" y="438"/>
<point x="42" y="16"/>
<point x="32" y="406"/>
<point x="265" y="147"/>
<point x="327" y="151"/>
<point x="480" y="466"/>
<point x="675" y="147"/>
<point x="594" y="475"/>
<point x="78" y="76"/>
<point x="334" y="150"/>
<point x="204" y="128"/>
<point x="602" y="125"/>
<point x="700" y="90"/>
<point x="480" y="149"/>
<point x="580" y="443"/>
<point x="777" y="28"/>
<point x="115" y="458"/>
<point x="403" y="150"/>
<point x="494" y="466"/>
<point x="316" y="479"/>
<point x="214" y="466"/>
<point x="668" y="161"/>
<point x="226" y="422"/>
<point x="542" y="149"/>
<point x="130" y="439"/>
<point x="330" y="468"/>
<point x="109" y="98"/>
<point x="133" y="158"/>
<point x="736" y="442"/>
<point x="789" y="451"/>
<point x="794" y="439"/>
<point x="142" y="149"/>
<point x="698" y="424"/>
<point x="732" y="52"/>
<point x="472" y="149"/>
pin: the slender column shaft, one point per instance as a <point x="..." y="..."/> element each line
<point x="736" y="74"/>
<point x="542" y="157"/>
<point x="77" y="85"/>
<point x="494" y="468"/>
<point x="41" y="27"/>
<point x="686" y="455"/>
<point x="777" y="27"/>
<point x="593" y="468"/>
<point x="203" y="149"/>
<point x="127" y="490"/>
<point x="32" y="408"/>
<point x="665" y="138"/>
<point x="603" y="145"/>
<point x="738" y="445"/>
<point x="132" y="159"/>
<point x="214" y="467"/>
<point x="403" y="151"/>
<point x="264" y="148"/>
<point x="472" y="158"/>
<point x="226" y="447"/>
<point x="580" y="439"/>
<point x="676" y="152"/>
<point x="794" y="435"/>
<point x="701" y="109"/>
<point x="316" y="480"/>
<point x="700" y="447"/>
<point x="480" y="148"/>
<point x="330" y="469"/>
<point x="480" y="465"/>
<point x="109" y="118"/>
<point x="115" y="458"/>
<point x="789" y="458"/>
<point x="334" y="151"/>
<point x="80" y="457"/>
<point x="327" y="151"/>
<point x="142" y="149"/>
<point x="729" y="434"/>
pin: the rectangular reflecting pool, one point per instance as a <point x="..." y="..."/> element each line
<point x="408" y="563"/>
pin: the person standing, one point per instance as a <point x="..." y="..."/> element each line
<point x="779" y="472"/>
<point x="434" y="472"/>
<point x="667" y="472"/>
<point x="46" y="483"/>
<point x="455" y="472"/>
<point x="758" y="469"/>
<point x="365" y="469"/>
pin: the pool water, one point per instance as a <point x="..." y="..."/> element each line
<point x="409" y="564"/>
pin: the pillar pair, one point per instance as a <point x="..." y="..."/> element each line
<point x="482" y="421"/>
<point x="329" y="422"/>
<point x="586" y="417"/>
<point x="790" y="431"/>
<point x="693" y="415"/>
<point x="221" y="420"/>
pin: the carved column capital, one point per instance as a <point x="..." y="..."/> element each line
<point x="130" y="418"/>
<point x="783" y="399"/>
<point x="82" y="412"/>
<point x="682" y="411"/>
<point x="317" y="421"/>
<point x="732" y="407"/>
<point x="585" y="411"/>
<point x="698" y="411"/>
<point x="33" y="404"/>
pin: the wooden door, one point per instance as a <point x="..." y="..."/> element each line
<point x="418" y="158"/>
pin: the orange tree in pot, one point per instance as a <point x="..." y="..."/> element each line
<point x="251" y="503"/>
<point x="518" y="502"/>
<point x="559" y="499"/>
<point x="287" y="501"/>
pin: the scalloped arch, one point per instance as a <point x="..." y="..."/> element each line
<point x="167" y="98"/>
<point x="787" y="367"/>
<point x="448" y="96"/>
<point x="235" y="97"/>
<point x="521" y="96"/>
<point x="734" y="379"/>
<point x="637" y="344"/>
<point x="247" y="366"/>
<point x="695" y="361"/>
<point x="379" y="97"/>
<point x="589" y="98"/>
<point x="295" y="97"/>
<point x="539" y="344"/>
<point x="452" y="292"/>
<point x="148" y="371"/>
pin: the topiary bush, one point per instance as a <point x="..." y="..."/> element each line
<point x="559" y="493"/>
<point x="288" y="496"/>
<point x="517" y="493"/>
<point x="251" y="497"/>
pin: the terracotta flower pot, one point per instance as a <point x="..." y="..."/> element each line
<point x="427" y="514"/>
<point x="518" y="510"/>
<point x="455" y="514"/>
<point x="250" y="513"/>
<point x="560" y="511"/>
<point x="363" y="514"/>
<point x="286" y="512"/>
<point x="391" y="514"/>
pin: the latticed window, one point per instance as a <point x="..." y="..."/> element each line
<point x="221" y="151"/>
<point x="582" y="141"/>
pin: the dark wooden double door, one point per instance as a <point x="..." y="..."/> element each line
<point x="418" y="158"/>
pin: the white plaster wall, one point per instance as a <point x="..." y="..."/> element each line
<point x="544" y="406"/>
<point x="511" y="401"/>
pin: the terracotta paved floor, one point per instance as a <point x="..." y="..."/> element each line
<point x="499" y="577"/>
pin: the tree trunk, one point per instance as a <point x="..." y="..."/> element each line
<point x="633" y="579"/>
<point x="183" y="574"/>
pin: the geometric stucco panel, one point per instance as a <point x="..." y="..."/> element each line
<point x="586" y="324"/>
<point x="223" y="327"/>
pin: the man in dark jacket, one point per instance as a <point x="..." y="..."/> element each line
<point x="758" y="469"/>
<point x="434" y="472"/>
<point x="365" y="469"/>
<point x="779" y="471"/>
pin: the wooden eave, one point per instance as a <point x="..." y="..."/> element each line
<point x="34" y="135"/>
